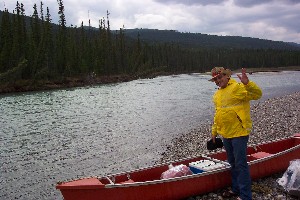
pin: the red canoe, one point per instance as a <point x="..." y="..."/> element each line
<point x="264" y="159"/>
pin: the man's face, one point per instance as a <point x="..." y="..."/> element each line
<point x="221" y="80"/>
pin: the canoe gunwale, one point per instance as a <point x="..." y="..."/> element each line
<point x="272" y="156"/>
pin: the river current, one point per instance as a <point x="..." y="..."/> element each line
<point x="51" y="136"/>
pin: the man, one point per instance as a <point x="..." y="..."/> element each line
<point x="233" y="122"/>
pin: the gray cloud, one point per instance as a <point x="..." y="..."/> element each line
<point x="192" y="2"/>
<point x="266" y="19"/>
<point x="251" y="3"/>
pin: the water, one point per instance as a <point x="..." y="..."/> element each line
<point x="51" y="136"/>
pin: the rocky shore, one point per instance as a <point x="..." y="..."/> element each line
<point x="272" y="119"/>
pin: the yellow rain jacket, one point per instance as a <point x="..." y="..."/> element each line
<point x="232" y="104"/>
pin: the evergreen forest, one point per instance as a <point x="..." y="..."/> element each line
<point x="38" y="54"/>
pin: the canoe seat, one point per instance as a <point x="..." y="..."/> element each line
<point x="128" y="181"/>
<point x="260" y="154"/>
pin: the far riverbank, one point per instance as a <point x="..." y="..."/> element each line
<point x="71" y="82"/>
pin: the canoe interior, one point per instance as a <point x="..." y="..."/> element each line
<point x="146" y="174"/>
<point x="270" y="148"/>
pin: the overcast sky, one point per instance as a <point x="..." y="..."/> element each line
<point x="277" y="20"/>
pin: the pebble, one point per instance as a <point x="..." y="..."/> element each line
<point x="272" y="119"/>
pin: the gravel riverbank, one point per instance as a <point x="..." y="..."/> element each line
<point x="272" y="119"/>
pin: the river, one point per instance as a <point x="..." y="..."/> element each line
<point x="51" y="136"/>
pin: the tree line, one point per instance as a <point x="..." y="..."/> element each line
<point x="36" y="49"/>
<point x="195" y="40"/>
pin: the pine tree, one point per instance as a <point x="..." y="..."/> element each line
<point x="24" y="44"/>
<point x="5" y="41"/>
<point x="16" y="50"/>
<point x="42" y="12"/>
<point x="61" y="40"/>
<point x="110" y="53"/>
<point x="35" y="41"/>
<point x="49" y="45"/>
<point x="120" y="40"/>
<point x="13" y="60"/>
